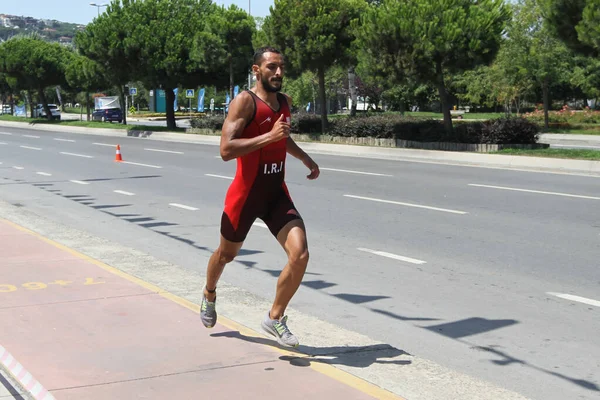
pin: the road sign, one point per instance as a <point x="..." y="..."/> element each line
<point x="189" y="93"/>
<point x="133" y="91"/>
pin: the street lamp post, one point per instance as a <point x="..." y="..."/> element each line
<point x="98" y="6"/>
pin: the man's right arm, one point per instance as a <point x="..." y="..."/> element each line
<point x="241" y="111"/>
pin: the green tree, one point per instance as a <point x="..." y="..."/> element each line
<point x="260" y="38"/>
<point x="314" y="35"/>
<point x="34" y="65"/>
<point x="532" y="47"/>
<point x="226" y="43"/>
<point x="575" y="22"/>
<point x="163" y="36"/>
<point x="426" y="39"/>
<point x="86" y="75"/>
<point x="107" y="41"/>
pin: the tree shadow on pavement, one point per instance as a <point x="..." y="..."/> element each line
<point x="351" y="356"/>
<point x="507" y="359"/>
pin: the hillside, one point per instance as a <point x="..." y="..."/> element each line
<point x="51" y="30"/>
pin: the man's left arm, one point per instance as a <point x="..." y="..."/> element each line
<point x="294" y="150"/>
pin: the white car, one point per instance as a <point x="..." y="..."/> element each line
<point x="39" y="111"/>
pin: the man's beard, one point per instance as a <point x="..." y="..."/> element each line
<point x="270" y="88"/>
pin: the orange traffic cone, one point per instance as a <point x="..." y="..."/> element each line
<point x="118" y="157"/>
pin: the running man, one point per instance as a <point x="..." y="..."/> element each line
<point x="256" y="132"/>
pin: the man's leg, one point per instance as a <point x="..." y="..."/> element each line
<point x="293" y="240"/>
<point x="224" y="254"/>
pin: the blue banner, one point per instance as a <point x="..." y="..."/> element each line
<point x="175" y="102"/>
<point x="201" y="100"/>
<point x="21" y="111"/>
<point x="227" y="100"/>
<point x="236" y="91"/>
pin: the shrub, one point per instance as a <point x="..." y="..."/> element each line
<point x="508" y="130"/>
<point x="208" y="122"/>
<point x="565" y="116"/>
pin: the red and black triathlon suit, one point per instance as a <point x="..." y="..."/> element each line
<point x="258" y="189"/>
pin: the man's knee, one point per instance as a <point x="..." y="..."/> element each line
<point x="226" y="256"/>
<point x="298" y="258"/>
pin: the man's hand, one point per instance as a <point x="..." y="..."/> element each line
<point x="312" y="166"/>
<point x="281" y="130"/>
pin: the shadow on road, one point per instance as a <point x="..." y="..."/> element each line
<point x="352" y="356"/>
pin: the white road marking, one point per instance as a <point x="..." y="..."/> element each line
<point x="2" y="143"/>
<point x="394" y="256"/>
<point x="407" y="204"/>
<point x="124" y="192"/>
<point x="31" y="136"/>
<point x="75" y="155"/>
<point x="261" y="224"/>
<point x="30" y="148"/>
<point x="183" y="206"/>
<point x="43" y="173"/>
<point x="6" y="133"/>
<point x="165" y="151"/>
<point x="105" y="144"/>
<point x="536" y="191"/>
<point x="18" y="167"/>
<point x="352" y="172"/>
<point x="219" y="176"/>
<point x="142" y="165"/>
<point x="584" y="300"/>
<point x="80" y="182"/>
<point x="64" y="140"/>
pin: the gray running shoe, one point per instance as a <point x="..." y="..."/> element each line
<point x="279" y="329"/>
<point x="208" y="313"/>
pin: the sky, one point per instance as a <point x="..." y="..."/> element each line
<point x="81" y="12"/>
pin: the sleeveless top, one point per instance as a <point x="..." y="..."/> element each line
<point x="263" y="170"/>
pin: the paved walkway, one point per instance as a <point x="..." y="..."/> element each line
<point x="73" y="328"/>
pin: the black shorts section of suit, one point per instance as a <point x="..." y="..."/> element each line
<point x="276" y="211"/>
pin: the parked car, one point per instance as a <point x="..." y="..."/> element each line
<point x="40" y="112"/>
<point x="108" y="114"/>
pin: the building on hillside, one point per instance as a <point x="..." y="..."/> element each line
<point x="5" y="21"/>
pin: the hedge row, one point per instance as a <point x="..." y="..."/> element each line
<point x="507" y="130"/>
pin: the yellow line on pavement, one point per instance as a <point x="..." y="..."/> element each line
<point x="325" y="369"/>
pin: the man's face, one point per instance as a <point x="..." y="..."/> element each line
<point x="270" y="72"/>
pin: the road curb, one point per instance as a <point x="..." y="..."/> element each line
<point x="27" y="383"/>
<point x="510" y="162"/>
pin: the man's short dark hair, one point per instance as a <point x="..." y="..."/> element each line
<point x="259" y="53"/>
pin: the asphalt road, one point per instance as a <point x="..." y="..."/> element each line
<point x="469" y="267"/>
